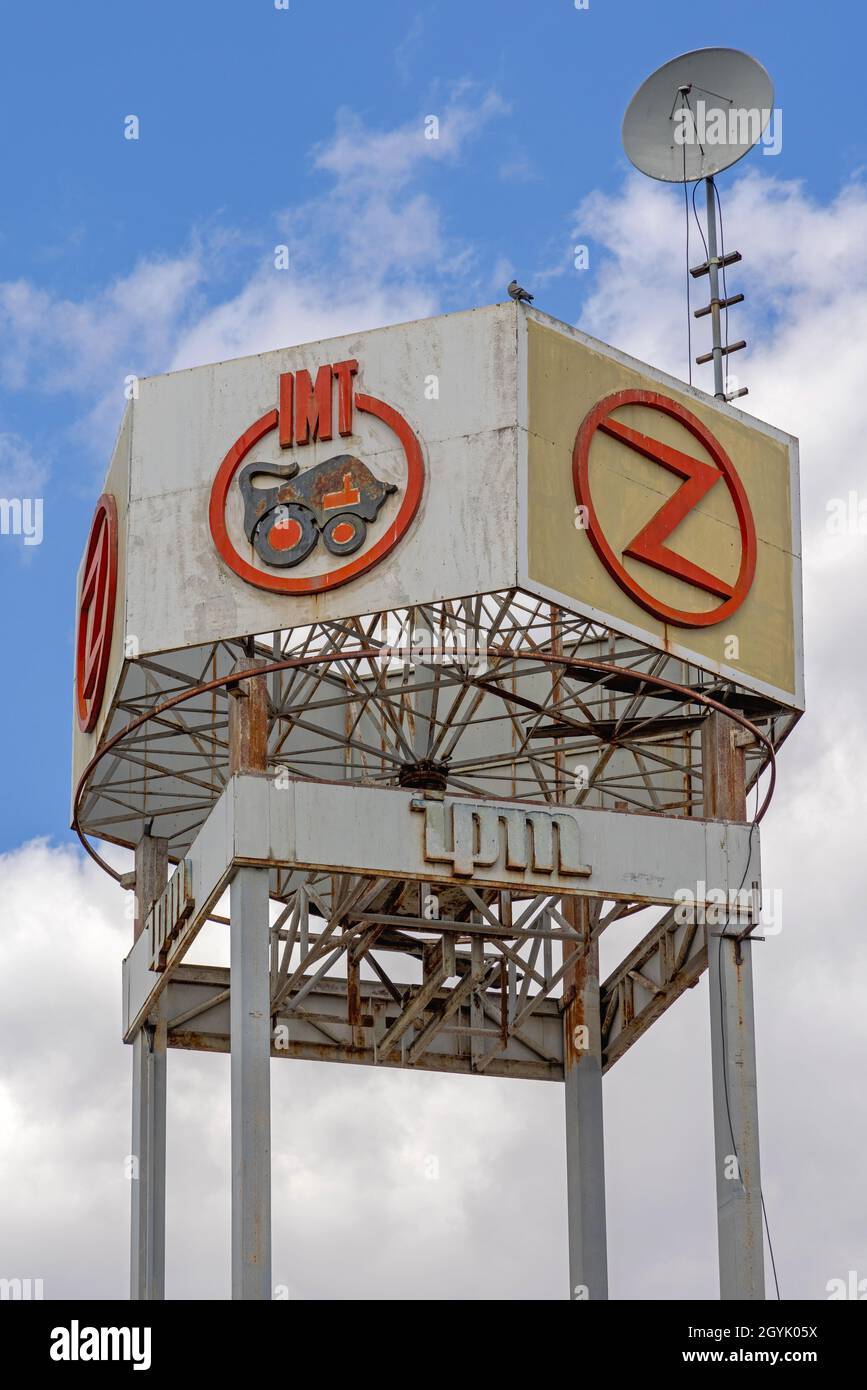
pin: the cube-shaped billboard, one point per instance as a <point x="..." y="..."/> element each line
<point x="476" y="452"/>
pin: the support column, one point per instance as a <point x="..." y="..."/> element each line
<point x="585" y="1150"/>
<point x="250" y="1019"/>
<point x="733" y="1045"/>
<point x="140" y="1158"/>
<point x="148" y="1178"/>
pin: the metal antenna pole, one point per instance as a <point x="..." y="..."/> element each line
<point x="713" y="271"/>
<point x="711" y="268"/>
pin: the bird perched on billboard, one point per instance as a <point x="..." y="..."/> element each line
<point x="520" y="296"/>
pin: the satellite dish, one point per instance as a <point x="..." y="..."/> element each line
<point x="698" y="114"/>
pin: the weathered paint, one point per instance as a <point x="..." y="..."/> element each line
<point x="375" y="832"/>
<point x="483" y="499"/>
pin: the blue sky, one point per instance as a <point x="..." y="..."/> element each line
<point x="234" y="102"/>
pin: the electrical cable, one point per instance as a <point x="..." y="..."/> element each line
<point x="698" y="221"/>
<point x="723" y="1042"/>
<point x="688" y="277"/>
<point x="698" y="224"/>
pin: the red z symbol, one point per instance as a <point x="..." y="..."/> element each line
<point x="648" y="545"/>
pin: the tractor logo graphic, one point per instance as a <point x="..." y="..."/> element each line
<point x="287" y="510"/>
<point x="335" y="499"/>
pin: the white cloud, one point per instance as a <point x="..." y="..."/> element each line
<point x="50" y="344"/>
<point x="368" y="251"/>
<point x="274" y="309"/>
<point x="364" y="159"/>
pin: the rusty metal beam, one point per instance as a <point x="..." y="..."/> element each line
<point x="667" y="961"/>
<point x="198" y="1008"/>
<point x="439" y="965"/>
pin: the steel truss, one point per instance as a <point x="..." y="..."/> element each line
<point x="487" y="997"/>
<point x="460" y="688"/>
<point x="464" y="690"/>
<point x="489" y="1000"/>
<point x="481" y="704"/>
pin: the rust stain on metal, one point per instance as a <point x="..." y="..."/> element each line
<point x="582" y="969"/>
<point x="353" y="1001"/>
<point x="248" y="720"/>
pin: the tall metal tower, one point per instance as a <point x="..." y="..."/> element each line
<point x="444" y="648"/>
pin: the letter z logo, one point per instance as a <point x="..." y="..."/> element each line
<point x="649" y="544"/>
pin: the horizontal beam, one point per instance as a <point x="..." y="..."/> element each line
<point x="522" y="848"/>
<point x="319" y="1029"/>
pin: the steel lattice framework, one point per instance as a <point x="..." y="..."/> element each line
<point x="476" y="694"/>
<point x="483" y="697"/>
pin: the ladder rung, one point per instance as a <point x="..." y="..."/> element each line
<point x="708" y="356"/>
<point x="723" y="304"/>
<point x="728" y="259"/>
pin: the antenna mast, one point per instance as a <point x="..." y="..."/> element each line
<point x="711" y="267"/>
<point x="667" y="139"/>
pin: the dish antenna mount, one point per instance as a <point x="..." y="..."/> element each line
<point x="693" y="117"/>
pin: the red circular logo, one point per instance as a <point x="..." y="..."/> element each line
<point x="331" y="504"/>
<point x="649" y="544"/>
<point x="96" y="613"/>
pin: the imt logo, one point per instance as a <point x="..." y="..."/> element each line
<point x="76" y="1343"/>
<point x="306" y="530"/>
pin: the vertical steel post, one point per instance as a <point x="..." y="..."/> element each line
<point x="733" y="1047"/>
<point x="713" y="273"/>
<point x="250" y="1020"/>
<point x="158" y="1078"/>
<point x="148" y="1177"/>
<point x="140" y="1174"/>
<point x="250" y="1023"/>
<point x="585" y="1149"/>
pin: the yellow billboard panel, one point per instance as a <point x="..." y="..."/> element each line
<point x="661" y="513"/>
